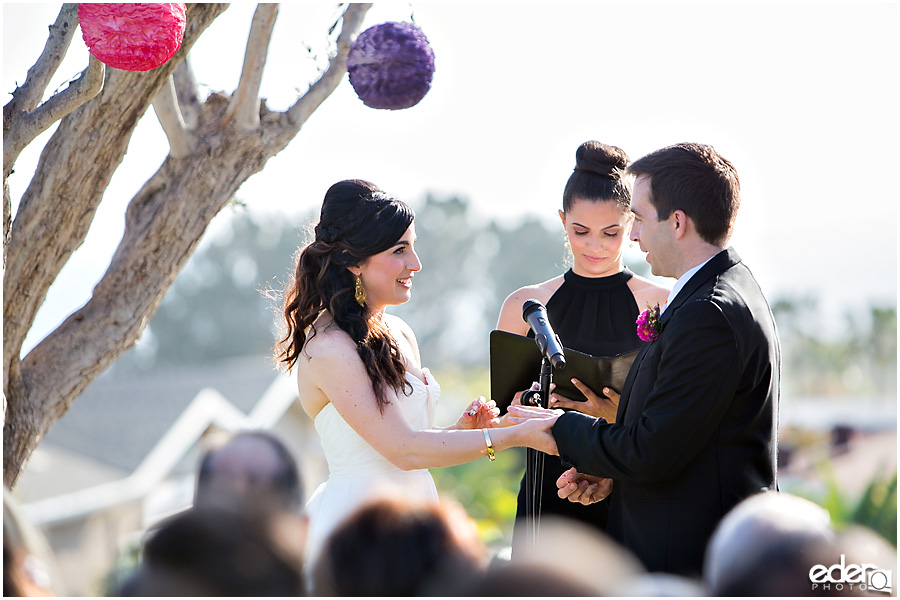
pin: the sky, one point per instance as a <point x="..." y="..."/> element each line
<point x="802" y="98"/>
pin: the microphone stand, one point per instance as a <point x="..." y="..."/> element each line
<point x="534" y="461"/>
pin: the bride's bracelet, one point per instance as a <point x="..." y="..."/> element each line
<point x="490" y="446"/>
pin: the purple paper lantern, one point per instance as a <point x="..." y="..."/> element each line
<point x="391" y="66"/>
<point x="133" y="37"/>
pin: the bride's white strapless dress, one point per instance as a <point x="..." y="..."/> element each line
<point x="358" y="473"/>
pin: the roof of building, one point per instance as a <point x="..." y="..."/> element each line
<point x="128" y="431"/>
<point x="121" y="417"/>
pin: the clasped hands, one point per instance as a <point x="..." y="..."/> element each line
<point x="581" y="488"/>
<point x="574" y="486"/>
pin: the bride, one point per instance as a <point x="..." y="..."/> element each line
<point x="358" y="369"/>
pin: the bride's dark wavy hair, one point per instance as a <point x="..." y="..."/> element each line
<point x="357" y="221"/>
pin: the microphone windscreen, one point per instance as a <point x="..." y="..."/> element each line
<point x="529" y="307"/>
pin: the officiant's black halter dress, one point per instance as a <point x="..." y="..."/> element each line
<point x="594" y="315"/>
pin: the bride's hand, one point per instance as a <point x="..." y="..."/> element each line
<point x="479" y="414"/>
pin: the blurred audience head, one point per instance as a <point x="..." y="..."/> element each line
<point x="214" y="551"/>
<point x="394" y="547"/>
<point x="26" y="571"/>
<point x="250" y="470"/>
<point x="567" y="560"/>
<point x="522" y="579"/>
<point x="665" y="585"/>
<point x="862" y="546"/>
<point x="767" y="545"/>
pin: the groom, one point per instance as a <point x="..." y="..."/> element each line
<point x="696" y="427"/>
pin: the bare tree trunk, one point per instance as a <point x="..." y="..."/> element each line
<point x="212" y="156"/>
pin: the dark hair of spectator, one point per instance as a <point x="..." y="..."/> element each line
<point x="281" y="487"/>
<point x="217" y="552"/>
<point x="393" y="548"/>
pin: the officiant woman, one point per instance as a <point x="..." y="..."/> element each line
<point x="592" y="306"/>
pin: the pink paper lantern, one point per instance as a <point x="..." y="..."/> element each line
<point x="133" y="37"/>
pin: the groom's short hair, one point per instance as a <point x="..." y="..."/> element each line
<point x="696" y="179"/>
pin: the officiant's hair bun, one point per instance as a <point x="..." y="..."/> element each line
<point x="599" y="158"/>
<point x="599" y="175"/>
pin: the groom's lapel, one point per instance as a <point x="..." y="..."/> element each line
<point x="629" y="382"/>
<point x="718" y="264"/>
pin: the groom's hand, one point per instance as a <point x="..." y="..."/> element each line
<point x="583" y="489"/>
<point x="534" y="427"/>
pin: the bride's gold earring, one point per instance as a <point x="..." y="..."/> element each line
<point x="360" y="293"/>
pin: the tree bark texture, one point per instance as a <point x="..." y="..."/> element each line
<point x="27" y="96"/>
<point x="163" y="224"/>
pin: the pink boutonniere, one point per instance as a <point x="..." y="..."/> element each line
<point x="648" y="325"/>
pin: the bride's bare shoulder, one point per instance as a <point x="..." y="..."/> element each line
<point x="325" y="340"/>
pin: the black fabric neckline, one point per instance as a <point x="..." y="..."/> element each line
<point x="598" y="283"/>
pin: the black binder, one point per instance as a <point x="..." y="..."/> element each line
<point x="516" y="364"/>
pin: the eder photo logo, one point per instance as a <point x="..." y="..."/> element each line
<point x="852" y="577"/>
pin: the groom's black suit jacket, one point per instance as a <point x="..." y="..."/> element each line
<point x="696" y="428"/>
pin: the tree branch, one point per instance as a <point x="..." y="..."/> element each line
<point x="161" y="228"/>
<point x="244" y="105"/>
<point x="28" y="126"/>
<point x="337" y="66"/>
<point x="28" y="96"/>
<point x="75" y="168"/>
<point x="161" y="232"/>
<point x="186" y="93"/>
<point x="181" y="139"/>
<point x="7" y="219"/>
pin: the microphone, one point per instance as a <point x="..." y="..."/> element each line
<point x="535" y="314"/>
